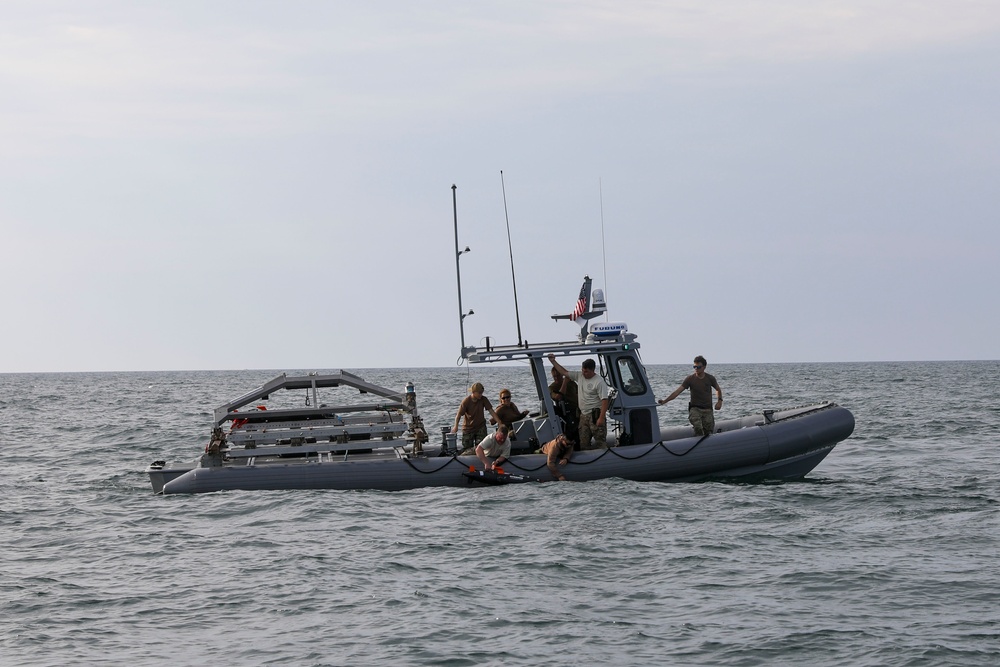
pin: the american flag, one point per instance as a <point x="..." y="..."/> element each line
<point x="581" y="303"/>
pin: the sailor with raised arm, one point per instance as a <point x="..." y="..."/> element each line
<point x="593" y="399"/>
<point x="700" y="383"/>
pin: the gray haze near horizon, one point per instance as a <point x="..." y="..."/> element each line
<point x="193" y="185"/>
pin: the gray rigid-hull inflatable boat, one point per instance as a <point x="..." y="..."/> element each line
<point x="778" y="445"/>
<point x="384" y="444"/>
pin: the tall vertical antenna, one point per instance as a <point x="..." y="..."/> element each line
<point x="604" y="255"/>
<point x="517" y="314"/>
<point x="458" y="272"/>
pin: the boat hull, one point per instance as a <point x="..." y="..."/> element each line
<point x="788" y="447"/>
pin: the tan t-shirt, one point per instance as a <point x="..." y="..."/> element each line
<point x="474" y="413"/>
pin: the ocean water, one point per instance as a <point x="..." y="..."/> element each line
<point x="885" y="555"/>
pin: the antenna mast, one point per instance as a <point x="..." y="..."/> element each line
<point x="458" y="272"/>
<point x="510" y="248"/>
<point x="604" y="255"/>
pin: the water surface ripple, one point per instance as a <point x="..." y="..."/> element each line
<point x="885" y="555"/>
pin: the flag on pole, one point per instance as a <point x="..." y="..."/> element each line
<point x="581" y="303"/>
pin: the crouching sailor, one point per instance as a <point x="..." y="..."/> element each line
<point x="558" y="452"/>
<point x="494" y="446"/>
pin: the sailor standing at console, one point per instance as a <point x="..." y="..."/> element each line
<point x="700" y="408"/>
<point x="593" y="398"/>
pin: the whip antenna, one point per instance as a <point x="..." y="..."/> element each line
<point x="517" y="314"/>
<point x="604" y="255"/>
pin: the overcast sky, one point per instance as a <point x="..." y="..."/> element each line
<point x="222" y="185"/>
